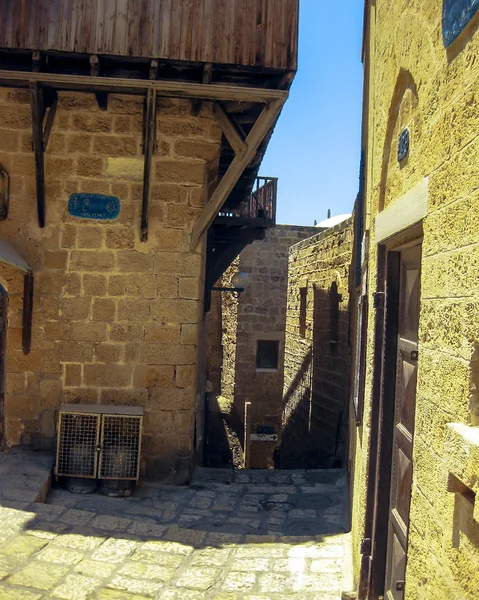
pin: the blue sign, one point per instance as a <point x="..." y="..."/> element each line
<point x="403" y="145"/>
<point x="456" y="14"/>
<point x="94" y="206"/>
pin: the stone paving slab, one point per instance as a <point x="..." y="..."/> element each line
<point x="94" y="548"/>
<point x="25" y="476"/>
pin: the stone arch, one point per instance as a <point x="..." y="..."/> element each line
<point x="405" y="84"/>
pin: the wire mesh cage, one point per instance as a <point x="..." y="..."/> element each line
<point x="120" y="443"/>
<point x="99" y="441"/>
<point x="78" y="436"/>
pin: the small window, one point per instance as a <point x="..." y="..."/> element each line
<point x="267" y="352"/>
<point x="303" y="297"/>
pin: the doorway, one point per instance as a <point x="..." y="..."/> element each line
<point x="394" y="402"/>
<point x="3" y="338"/>
<point x="403" y="420"/>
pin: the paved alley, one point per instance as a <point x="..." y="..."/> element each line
<point x="249" y="535"/>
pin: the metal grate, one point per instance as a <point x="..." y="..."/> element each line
<point x="78" y="435"/>
<point x="120" y="441"/>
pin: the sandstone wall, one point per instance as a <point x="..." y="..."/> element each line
<point x="259" y="313"/>
<point x="115" y="320"/>
<point x="317" y="355"/>
<point x="416" y="83"/>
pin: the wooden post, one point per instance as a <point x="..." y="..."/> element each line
<point x="149" y="137"/>
<point x="37" y="136"/>
<point x="247" y="431"/>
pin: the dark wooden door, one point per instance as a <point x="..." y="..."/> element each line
<point x="3" y="333"/>
<point x="404" y="411"/>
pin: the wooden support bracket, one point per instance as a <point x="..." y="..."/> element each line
<point x="235" y="139"/>
<point x="37" y="137"/>
<point x="49" y="124"/>
<point x="154" y="69"/>
<point x="257" y="134"/>
<point x="149" y="143"/>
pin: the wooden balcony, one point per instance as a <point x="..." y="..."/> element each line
<point x="258" y="211"/>
<point x="252" y="34"/>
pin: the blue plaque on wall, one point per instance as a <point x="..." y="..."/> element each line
<point x="403" y="144"/>
<point x="94" y="206"/>
<point x="456" y="14"/>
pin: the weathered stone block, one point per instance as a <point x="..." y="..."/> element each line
<point x="103" y="309"/>
<point x="120" y="238"/>
<point x="89" y="332"/>
<point x="126" y="332"/>
<point x="107" y="353"/>
<point x="72" y="374"/>
<point x="175" y="310"/>
<point x="115" y="145"/>
<point x="130" y="261"/>
<point x="185" y="376"/>
<point x="84" y="260"/>
<point x="94" y="285"/>
<point x="140" y="286"/>
<point x="167" y="354"/>
<point x="155" y="333"/>
<point x="153" y="376"/>
<point x="89" y="166"/>
<point x="89" y="236"/>
<point x="114" y="376"/>
<point x="134" y="310"/>
<point x="181" y="172"/>
<point x="75" y="309"/>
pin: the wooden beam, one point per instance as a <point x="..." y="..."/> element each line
<point x="257" y="134"/>
<point x="37" y="137"/>
<point x="148" y="148"/>
<point x="171" y="89"/>
<point x="49" y="123"/>
<point x="231" y="133"/>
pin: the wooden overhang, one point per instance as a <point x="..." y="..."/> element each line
<point x="242" y="55"/>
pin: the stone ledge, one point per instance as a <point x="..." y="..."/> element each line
<point x="461" y="451"/>
<point x="25" y="476"/>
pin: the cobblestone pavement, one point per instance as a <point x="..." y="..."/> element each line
<point x="249" y="535"/>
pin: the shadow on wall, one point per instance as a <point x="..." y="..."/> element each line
<point x="317" y="379"/>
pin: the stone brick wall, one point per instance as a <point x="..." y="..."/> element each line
<point x="317" y="352"/>
<point x="115" y="320"/>
<point x="415" y="82"/>
<point x="259" y="313"/>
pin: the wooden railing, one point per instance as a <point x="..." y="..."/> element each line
<point x="261" y="203"/>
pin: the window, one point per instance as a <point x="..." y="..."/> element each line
<point x="303" y="296"/>
<point x="267" y="353"/>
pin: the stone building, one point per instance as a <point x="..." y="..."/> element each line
<point x="415" y="446"/>
<point x="127" y="164"/>
<point x="246" y="336"/>
<point x="317" y="351"/>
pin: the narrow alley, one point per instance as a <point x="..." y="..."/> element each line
<point x="252" y="535"/>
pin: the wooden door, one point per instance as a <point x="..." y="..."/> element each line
<point x="404" y="411"/>
<point x="3" y="332"/>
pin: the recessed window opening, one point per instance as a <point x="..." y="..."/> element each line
<point x="303" y="296"/>
<point x="267" y="354"/>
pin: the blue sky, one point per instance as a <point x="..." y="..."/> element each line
<point x="315" y="148"/>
